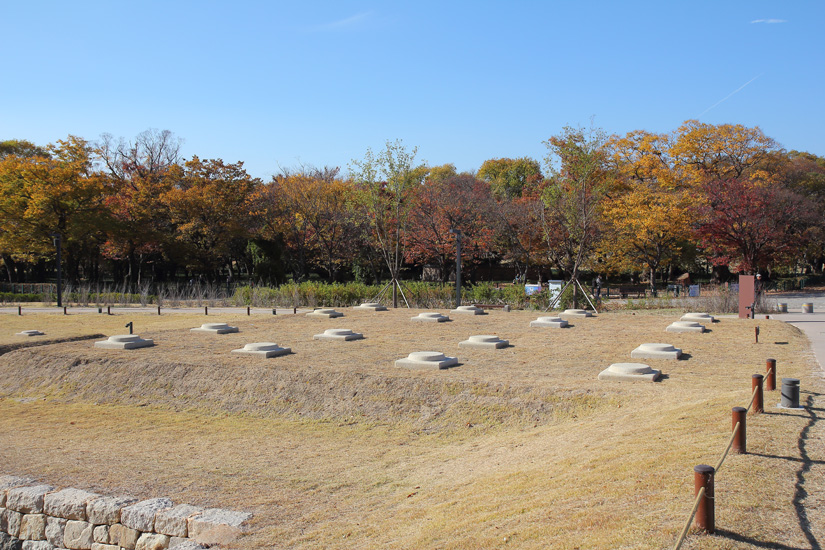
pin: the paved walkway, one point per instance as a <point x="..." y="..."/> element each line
<point x="812" y="324"/>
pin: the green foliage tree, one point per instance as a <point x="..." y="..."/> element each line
<point x="573" y="198"/>
<point x="386" y="181"/>
<point x="508" y="177"/>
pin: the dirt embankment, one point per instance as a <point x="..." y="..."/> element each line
<point x="421" y="402"/>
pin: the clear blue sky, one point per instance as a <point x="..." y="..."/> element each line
<point x="277" y="83"/>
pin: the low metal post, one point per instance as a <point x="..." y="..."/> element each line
<point x="158" y="310"/>
<point x="740" y="440"/>
<point x="705" y="515"/>
<point x="20" y="310"/>
<point x="247" y="310"/>
<point x="295" y="310"/>
<point x="758" y="401"/>
<point x="130" y="326"/>
<point x="790" y="393"/>
<point x="108" y="310"/>
<point x="770" y="381"/>
<point x="64" y="310"/>
<point x="206" y="310"/>
<point x="756" y="335"/>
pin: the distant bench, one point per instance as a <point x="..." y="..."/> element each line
<point x="624" y="291"/>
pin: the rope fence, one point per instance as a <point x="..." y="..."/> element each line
<point x="704" y="475"/>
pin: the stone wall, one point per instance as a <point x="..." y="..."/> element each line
<point x="35" y="516"/>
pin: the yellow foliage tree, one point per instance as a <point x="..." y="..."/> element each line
<point x="56" y="193"/>
<point x="649" y="215"/>
<point x="702" y="152"/>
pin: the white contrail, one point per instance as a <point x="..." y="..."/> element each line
<point x="727" y="97"/>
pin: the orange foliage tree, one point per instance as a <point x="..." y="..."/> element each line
<point x="460" y="202"/>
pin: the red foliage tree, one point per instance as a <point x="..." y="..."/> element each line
<point x="459" y="202"/>
<point x="749" y="226"/>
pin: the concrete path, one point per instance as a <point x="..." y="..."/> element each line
<point x="812" y="324"/>
<point x="118" y="310"/>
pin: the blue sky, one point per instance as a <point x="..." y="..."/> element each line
<point x="275" y="84"/>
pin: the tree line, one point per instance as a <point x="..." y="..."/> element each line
<point x="723" y="197"/>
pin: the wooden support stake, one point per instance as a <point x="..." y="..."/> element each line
<point x="756" y="386"/>
<point x="770" y="381"/>
<point x="740" y="440"/>
<point x="705" y="514"/>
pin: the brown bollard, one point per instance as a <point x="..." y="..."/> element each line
<point x="770" y="381"/>
<point x="64" y="310"/>
<point x="206" y="310"/>
<point x="740" y="440"/>
<point x="158" y="310"/>
<point x="20" y="310"/>
<point x="755" y="335"/>
<point x="705" y="515"/>
<point x="758" y="401"/>
<point x="108" y="310"/>
<point x="247" y="310"/>
<point x="295" y="311"/>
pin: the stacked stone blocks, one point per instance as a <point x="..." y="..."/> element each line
<point x="39" y="517"/>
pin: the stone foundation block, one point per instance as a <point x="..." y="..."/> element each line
<point x="372" y="306"/>
<point x="106" y="510"/>
<point x="100" y="534"/>
<point x="179" y="543"/>
<point x="630" y="372"/>
<point x="33" y="527"/>
<point x="10" y="482"/>
<point x="125" y="341"/>
<point x="152" y="541"/>
<point x="27" y="500"/>
<point x="427" y="360"/>
<point x="173" y="522"/>
<point x="54" y="530"/>
<point x="11" y="522"/>
<point x="468" y="310"/>
<point x="141" y="515"/>
<point x="9" y="543"/>
<point x="68" y="503"/>
<point x="217" y="526"/>
<point x="78" y="535"/>
<point x="575" y="314"/>
<point x="123" y="536"/>
<point x="325" y="313"/>
<point x="36" y="545"/>
<point x="484" y="341"/>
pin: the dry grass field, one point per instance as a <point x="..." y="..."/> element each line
<point x="334" y="447"/>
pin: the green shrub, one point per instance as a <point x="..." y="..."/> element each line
<point x="12" y="297"/>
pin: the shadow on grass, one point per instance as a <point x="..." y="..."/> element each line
<point x="800" y="495"/>
<point x="759" y="543"/>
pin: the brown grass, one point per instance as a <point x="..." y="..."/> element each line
<point x="334" y="447"/>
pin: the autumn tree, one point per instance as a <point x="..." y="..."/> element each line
<point x="507" y="177"/>
<point x="573" y="199"/>
<point x="648" y="215"/>
<point x="317" y="216"/>
<point x="804" y="173"/>
<point x="137" y="171"/>
<point x="460" y="202"/>
<point x="56" y="194"/>
<point x="210" y="206"/>
<point x="739" y="227"/>
<point x="21" y="148"/>
<point x="387" y="181"/>
<point x="703" y="152"/>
